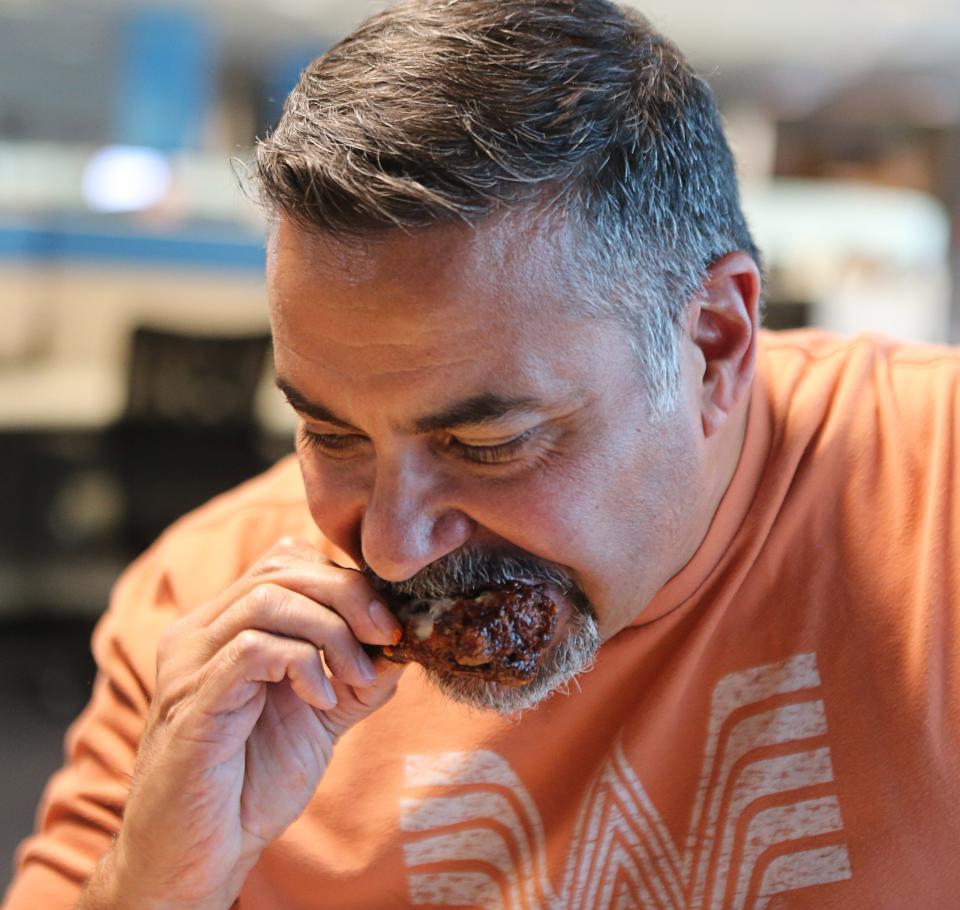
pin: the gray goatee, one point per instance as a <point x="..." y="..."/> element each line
<point x="463" y="572"/>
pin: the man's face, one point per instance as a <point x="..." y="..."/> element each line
<point x="453" y="400"/>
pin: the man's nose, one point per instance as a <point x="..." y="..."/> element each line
<point x="409" y="521"/>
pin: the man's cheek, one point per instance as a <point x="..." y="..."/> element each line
<point x="546" y="520"/>
<point x="333" y="508"/>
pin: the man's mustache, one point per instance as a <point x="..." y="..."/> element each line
<point x="463" y="573"/>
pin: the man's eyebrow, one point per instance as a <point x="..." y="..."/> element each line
<point x="483" y="408"/>
<point x="314" y="410"/>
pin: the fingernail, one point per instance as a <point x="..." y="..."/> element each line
<point x="366" y="667"/>
<point x="383" y="619"/>
<point x="328" y="689"/>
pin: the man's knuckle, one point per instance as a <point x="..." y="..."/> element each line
<point x="289" y="545"/>
<point x="271" y="564"/>
<point x="268" y="597"/>
<point x="248" y="643"/>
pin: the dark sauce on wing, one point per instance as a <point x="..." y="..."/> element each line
<point x="497" y="634"/>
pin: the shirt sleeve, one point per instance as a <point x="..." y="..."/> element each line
<point x="82" y="804"/>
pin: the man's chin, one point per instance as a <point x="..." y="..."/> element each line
<point x="491" y="696"/>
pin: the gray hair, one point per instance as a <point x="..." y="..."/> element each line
<point x="439" y="110"/>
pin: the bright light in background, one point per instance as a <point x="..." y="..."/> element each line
<point x="123" y="178"/>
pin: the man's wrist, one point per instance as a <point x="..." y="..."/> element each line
<point x="114" y="886"/>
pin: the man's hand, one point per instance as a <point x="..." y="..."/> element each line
<point x="243" y="725"/>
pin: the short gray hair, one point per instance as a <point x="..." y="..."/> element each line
<point x="439" y="110"/>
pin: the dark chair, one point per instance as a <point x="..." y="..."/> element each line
<point x="188" y="431"/>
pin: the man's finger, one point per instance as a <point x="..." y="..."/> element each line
<point x="299" y="567"/>
<point x="282" y="611"/>
<point x="238" y="672"/>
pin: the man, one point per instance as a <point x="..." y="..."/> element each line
<point x="515" y="305"/>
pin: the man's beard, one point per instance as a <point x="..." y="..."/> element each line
<point x="464" y="572"/>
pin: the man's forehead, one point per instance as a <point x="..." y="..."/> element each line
<point x="515" y="257"/>
<point x="351" y="258"/>
<point x="425" y="328"/>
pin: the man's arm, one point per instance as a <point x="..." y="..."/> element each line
<point x="241" y="702"/>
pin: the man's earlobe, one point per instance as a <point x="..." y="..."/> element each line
<point x="726" y="321"/>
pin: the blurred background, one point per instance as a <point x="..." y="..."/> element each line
<point x="134" y="355"/>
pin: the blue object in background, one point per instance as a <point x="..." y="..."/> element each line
<point x="61" y="240"/>
<point x="166" y="79"/>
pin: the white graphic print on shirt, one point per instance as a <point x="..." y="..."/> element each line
<point x="766" y="818"/>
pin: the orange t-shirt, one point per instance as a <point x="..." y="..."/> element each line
<point x="777" y="729"/>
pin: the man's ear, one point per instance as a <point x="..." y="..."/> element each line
<point x="724" y="320"/>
